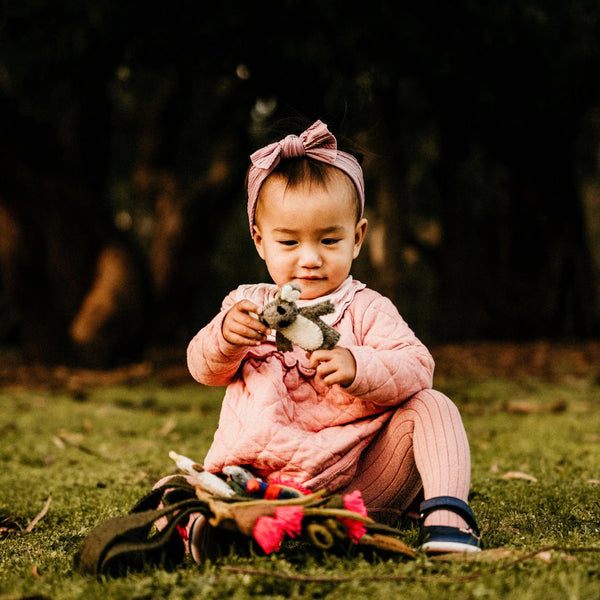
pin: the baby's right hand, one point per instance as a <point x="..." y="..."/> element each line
<point x="242" y="328"/>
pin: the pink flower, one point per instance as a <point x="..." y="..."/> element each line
<point x="269" y="534"/>
<point x="354" y="502"/>
<point x="290" y="519"/>
<point x="356" y="529"/>
<point x="270" y="531"/>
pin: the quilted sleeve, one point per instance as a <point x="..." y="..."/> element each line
<point x="211" y="359"/>
<point x="391" y="363"/>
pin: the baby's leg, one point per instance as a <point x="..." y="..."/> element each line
<point x="386" y="474"/>
<point x="424" y="443"/>
<point x="441" y="452"/>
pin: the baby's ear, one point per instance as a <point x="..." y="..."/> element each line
<point x="257" y="238"/>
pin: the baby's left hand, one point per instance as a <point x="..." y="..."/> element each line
<point x="334" y="366"/>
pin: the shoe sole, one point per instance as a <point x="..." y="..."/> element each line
<point x="195" y="542"/>
<point x="444" y="547"/>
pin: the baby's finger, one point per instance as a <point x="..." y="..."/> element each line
<point x="332" y="378"/>
<point x="318" y="357"/>
<point x="247" y="307"/>
<point x="240" y="329"/>
<point x="240" y="340"/>
<point x="326" y="368"/>
<point x="245" y="337"/>
<point x="248" y="330"/>
<point x="241" y="320"/>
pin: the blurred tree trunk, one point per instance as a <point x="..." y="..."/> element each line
<point x="190" y="208"/>
<point x="588" y="172"/>
<point x="78" y="290"/>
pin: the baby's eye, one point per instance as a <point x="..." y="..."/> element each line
<point x="330" y="241"/>
<point x="288" y="242"/>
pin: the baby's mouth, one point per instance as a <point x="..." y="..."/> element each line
<point x="310" y="278"/>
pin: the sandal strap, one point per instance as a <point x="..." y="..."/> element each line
<point x="452" y="504"/>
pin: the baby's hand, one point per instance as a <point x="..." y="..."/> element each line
<point x="242" y="328"/>
<point x="334" y="366"/>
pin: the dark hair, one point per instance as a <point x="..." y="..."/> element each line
<point x="297" y="170"/>
<point x="304" y="169"/>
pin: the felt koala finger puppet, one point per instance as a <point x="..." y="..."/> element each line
<point x="300" y="326"/>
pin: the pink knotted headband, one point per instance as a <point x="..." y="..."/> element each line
<point x="316" y="142"/>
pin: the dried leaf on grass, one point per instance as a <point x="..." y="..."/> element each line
<point x="524" y="407"/>
<point x="519" y="475"/>
<point x="168" y="427"/>
<point x="547" y="556"/>
<point x="76" y="441"/>
<point x="491" y="555"/>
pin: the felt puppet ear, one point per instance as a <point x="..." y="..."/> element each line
<point x="290" y="292"/>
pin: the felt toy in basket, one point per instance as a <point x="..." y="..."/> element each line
<point x="234" y="501"/>
<point x="301" y="326"/>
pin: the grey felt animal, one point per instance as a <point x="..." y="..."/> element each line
<point x="300" y="326"/>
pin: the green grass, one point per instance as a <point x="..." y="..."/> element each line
<point x="97" y="453"/>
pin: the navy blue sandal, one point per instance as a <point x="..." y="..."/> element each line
<point x="438" y="539"/>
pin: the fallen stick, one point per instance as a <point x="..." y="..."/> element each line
<point x="39" y="516"/>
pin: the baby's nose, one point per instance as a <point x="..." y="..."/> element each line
<point x="310" y="257"/>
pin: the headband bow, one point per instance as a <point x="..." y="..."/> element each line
<point x="318" y="143"/>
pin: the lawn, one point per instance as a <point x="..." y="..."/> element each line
<point x="90" y="452"/>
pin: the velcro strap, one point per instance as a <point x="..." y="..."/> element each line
<point x="452" y="504"/>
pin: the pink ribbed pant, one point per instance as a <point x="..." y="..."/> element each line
<point x="423" y="445"/>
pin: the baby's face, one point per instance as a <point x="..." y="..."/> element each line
<point x="308" y="234"/>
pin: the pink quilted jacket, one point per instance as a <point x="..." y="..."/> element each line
<point x="281" y="420"/>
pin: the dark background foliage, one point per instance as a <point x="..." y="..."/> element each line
<point x="126" y="130"/>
